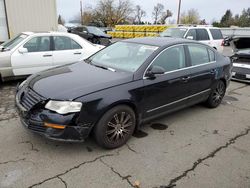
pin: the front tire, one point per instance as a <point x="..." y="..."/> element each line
<point x="216" y="95"/>
<point x="115" y="127"/>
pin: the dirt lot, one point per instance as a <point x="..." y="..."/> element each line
<point x="195" y="147"/>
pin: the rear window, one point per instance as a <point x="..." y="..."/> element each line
<point x="202" y="34"/>
<point x="216" y="33"/>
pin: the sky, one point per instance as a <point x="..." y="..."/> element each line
<point x="208" y="9"/>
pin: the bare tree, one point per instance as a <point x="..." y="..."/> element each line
<point x="165" y="15"/>
<point x="191" y="17"/>
<point x="139" y="13"/>
<point x="157" y="12"/>
<point x="61" y="20"/>
<point x="111" y="12"/>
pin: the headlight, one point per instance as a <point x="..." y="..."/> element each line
<point x="22" y="84"/>
<point x="64" y="107"/>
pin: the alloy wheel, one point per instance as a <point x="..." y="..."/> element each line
<point x="218" y="93"/>
<point x="119" y="127"/>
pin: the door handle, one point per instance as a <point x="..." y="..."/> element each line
<point x="185" y="79"/>
<point x="47" y="55"/>
<point x="77" y="53"/>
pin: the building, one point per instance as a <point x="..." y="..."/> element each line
<point x="26" y="15"/>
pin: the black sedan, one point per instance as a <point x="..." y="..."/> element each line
<point x="115" y="91"/>
<point x="92" y="33"/>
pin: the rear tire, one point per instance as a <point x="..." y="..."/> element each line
<point x="216" y="95"/>
<point x="115" y="127"/>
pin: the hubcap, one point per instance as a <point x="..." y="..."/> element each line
<point x="218" y="93"/>
<point x="119" y="126"/>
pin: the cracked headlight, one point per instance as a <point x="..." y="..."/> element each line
<point x="63" y="107"/>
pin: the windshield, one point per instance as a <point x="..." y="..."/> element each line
<point x="95" y="30"/>
<point x="174" y="32"/>
<point x="124" y="56"/>
<point x="10" y="44"/>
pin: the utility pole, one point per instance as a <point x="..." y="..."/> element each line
<point x="179" y="12"/>
<point x="81" y="18"/>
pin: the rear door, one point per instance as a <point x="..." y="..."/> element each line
<point x="217" y="39"/>
<point x="202" y="69"/>
<point x="66" y="50"/>
<point x="203" y="36"/>
<point x="37" y="58"/>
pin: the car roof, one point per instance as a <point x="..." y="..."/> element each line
<point x="159" y="41"/>
<point x="197" y="27"/>
<point x="47" y="33"/>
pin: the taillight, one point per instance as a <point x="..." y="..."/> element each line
<point x="222" y="43"/>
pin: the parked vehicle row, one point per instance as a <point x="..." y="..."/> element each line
<point x="113" y="92"/>
<point x="30" y="52"/>
<point x="211" y="36"/>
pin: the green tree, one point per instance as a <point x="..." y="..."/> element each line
<point x="191" y="17"/>
<point x="244" y="19"/>
<point x="227" y="19"/>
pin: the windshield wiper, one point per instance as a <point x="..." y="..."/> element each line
<point x="89" y="61"/>
<point x="106" y="68"/>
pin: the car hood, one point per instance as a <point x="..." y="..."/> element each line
<point x="240" y="45"/>
<point x="75" y="80"/>
<point x="104" y="35"/>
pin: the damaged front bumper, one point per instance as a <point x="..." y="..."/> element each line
<point x="35" y="120"/>
<point x="241" y="72"/>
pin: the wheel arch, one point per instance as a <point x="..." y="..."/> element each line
<point x="128" y="103"/>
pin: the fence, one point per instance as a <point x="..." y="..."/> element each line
<point x="236" y="31"/>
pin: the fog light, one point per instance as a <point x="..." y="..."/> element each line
<point x="54" y="126"/>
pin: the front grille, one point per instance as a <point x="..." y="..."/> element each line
<point x="29" y="99"/>
<point x="241" y="70"/>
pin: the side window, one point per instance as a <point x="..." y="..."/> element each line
<point x="216" y="33"/>
<point x="202" y="34"/>
<point x="79" y="29"/>
<point x="191" y="33"/>
<point x="198" y="54"/>
<point x="171" y="59"/>
<point x="211" y="55"/>
<point x="65" y="43"/>
<point x="38" y="44"/>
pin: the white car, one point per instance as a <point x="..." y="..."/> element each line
<point x="211" y="36"/>
<point x="31" y="52"/>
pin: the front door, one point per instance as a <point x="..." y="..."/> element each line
<point x="168" y="91"/>
<point x="38" y="56"/>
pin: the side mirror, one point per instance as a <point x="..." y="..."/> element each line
<point x="23" y="50"/>
<point x="85" y="31"/>
<point x="190" y="37"/>
<point x="154" y="70"/>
